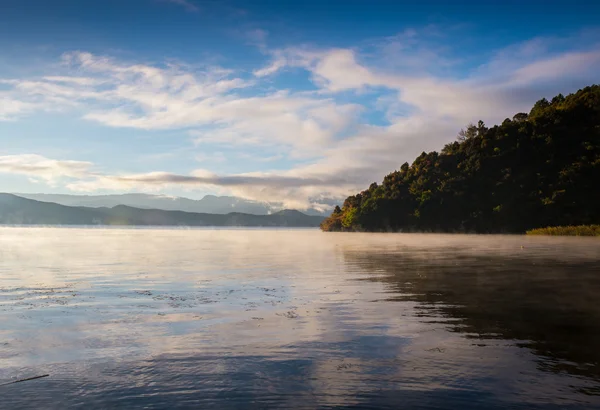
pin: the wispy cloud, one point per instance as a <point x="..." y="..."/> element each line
<point x="83" y="81"/>
<point x="11" y="109"/>
<point x="214" y="157"/>
<point x="258" y="37"/>
<point x="49" y="170"/>
<point x="187" y="4"/>
<point x="568" y="65"/>
<point x="288" y="188"/>
<point x="328" y="128"/>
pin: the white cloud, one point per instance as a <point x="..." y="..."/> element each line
<point x="274" y="67"/>
<point x="568" y="65"/>
<point x="328" y="69"/>
<point x="258" y="37"/>
<point x="49" y="170"/>
<point x="327" y="127"/>
<point x="211" y="158"/>
<point x="148" y="97"/>
<point x="335" y="69"/>
<point x="292" y="188"/>
<point x="72" y="80"/>
<point x="485" y="94"/>
<point x="11" y="109"/>
<point x="188" y="5"/>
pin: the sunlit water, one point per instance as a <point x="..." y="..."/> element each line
<point x="142" y="318"/>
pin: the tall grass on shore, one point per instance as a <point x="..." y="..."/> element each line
<point x="580" y="230"/>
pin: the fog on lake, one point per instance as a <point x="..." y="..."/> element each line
<point x="233" y="318"/>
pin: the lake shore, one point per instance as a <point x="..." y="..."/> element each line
<point x="580" y="230"/>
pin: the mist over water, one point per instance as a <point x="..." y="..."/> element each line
<point x="232" y="318"/>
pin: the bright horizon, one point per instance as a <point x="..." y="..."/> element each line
<point x="271" y="101"/>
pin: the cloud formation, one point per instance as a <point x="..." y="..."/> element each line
<point x="327" y="129"/>
<point x="11" y="109"/>
<point x="188" y="5"/>
<point x="39" y="167"/>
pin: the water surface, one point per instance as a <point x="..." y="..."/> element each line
<point x="143" y="318"/>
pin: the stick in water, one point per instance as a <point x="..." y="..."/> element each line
<point x="25" y="380"/>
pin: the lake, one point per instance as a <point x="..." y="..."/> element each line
<point x="232" y="318"/>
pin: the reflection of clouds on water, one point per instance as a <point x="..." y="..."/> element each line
<point x="281" y="318"/>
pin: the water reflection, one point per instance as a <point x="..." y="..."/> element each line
<point x="299" y="319"/>
<point x="545" y="298"/>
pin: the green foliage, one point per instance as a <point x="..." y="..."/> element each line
<point x="538" y="169"/>
<point x="349" y="218"/>
<point x="581" y="230"/>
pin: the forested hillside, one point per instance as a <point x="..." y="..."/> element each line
<point x="534" y="170"/>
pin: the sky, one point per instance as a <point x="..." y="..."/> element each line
<point x="295" y="102"/>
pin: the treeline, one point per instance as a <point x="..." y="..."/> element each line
<point x="581" y="230"/>
<point x="534" y="170"/>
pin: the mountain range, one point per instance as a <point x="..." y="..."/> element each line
<point x="209" y="204"/>
<point x="16" y="210"/>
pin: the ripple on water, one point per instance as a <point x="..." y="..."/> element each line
<point x="297" y="318"/>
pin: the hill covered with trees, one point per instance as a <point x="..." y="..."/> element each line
<point x="534" y="170"/>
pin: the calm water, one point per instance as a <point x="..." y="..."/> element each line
<point x="128" y="318"/>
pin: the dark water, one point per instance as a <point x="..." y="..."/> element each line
<point x="297" y="318"/>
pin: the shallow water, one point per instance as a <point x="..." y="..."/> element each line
<point x="141" y="318"/>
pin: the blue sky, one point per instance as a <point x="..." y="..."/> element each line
<point x="294" y="102"/>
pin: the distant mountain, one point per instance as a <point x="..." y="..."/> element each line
<point x="209" y="204"/>
<point x="15" y="210"/>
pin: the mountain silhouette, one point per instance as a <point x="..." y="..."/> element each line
<point x="16" y="210"/>
<point x="208" y="204"/>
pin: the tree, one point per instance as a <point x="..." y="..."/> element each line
<point x="520" y="117"/>
<point x="468" y="133"/>
<point x="535" y="170"/>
